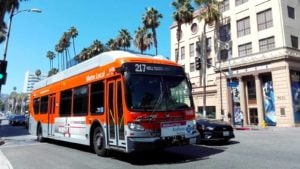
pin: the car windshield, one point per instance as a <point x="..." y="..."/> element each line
<point x="157" y="93"/>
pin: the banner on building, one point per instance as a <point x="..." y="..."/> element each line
<point x="295" y="80"/>
<point x="269" y="103"/>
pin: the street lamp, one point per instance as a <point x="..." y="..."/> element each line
<point x="12" y="14"/>
<point x="3" y="65"/>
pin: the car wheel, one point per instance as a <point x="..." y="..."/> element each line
<point x="99" y="142"/>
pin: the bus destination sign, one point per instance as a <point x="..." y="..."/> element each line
<point x="146" y="68"/>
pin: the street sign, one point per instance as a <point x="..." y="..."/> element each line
<point x="232" y="84"/>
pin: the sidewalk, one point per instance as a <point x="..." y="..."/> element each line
<point x="4" y="163"/>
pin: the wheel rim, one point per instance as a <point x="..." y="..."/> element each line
<point x="99" y="140"/>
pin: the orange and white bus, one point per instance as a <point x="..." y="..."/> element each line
<point x="116" y="100"/>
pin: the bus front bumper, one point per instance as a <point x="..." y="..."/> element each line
<point x="144" y="144"/>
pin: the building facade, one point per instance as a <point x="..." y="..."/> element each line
<point x="30" y="80"/>
<point x="252" y="62"/>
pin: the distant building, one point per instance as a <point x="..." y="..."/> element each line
<point x="30" y="80"/>
<point x="259" y="42"/>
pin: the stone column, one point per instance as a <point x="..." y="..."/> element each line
<point x="243" y="100"/>
<point x="259" y="100"/>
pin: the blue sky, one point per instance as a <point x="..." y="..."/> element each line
<point x="33" y="34"/>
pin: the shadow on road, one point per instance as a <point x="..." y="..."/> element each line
<point x="172" y="155"/>
<point x="10" y="131"/>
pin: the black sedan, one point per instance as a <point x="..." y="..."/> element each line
<point x="214" y="130"/>
<point x="17" y="120"/>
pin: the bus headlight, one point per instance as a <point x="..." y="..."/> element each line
<point x="135" y="127"/>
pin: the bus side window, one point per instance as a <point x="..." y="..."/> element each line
<point x="36" y="105"/>
<point x="44" y="105"/>
<point x="80" y="101"/>
<point x="97" y="98"/>
<point x="65" y="103"/>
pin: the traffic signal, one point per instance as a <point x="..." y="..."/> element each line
<point x="3" y="74"/>
<point x="198" y="63"/>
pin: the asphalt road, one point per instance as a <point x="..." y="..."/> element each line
<point x="261" y="149"/>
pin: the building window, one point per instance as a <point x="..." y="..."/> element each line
<point x="294" y="40"/>
<point x="264" y="19"/>
<point x="194" y="28"/>
<point x="192" y="50"/>
<point x="192" y="67"/>
<point x="198" y="49"/>
<point x="80" y="100"/>
<point x="251" y="90"/>
<point x="182" y="53"/>
<point x="240" y="2"/>
<point x="209" y="62"/>
<point x="224" y="54"/>
<point x="266" y="44"/>
<point x="224" y="6"/>
<point x="208" y="44"/>
<point x="245" y="49"/>
<point x="176" y="54"/>
<point x="243" y="26"/>
<point x="224" y="33"/>
<point x="291" y="12"/>
<point x="97" y="98"/>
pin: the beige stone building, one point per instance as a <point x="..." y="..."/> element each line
<point x="253" y="62"/>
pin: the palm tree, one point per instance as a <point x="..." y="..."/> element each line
<point x="96" y="48"/>
<point x="112" y="44"/>
<point x="182" y="15"/>
<point x="74" y="33"/>
<point x="151" y="21"/>
<point x="6" y="6"/>
<point x="209" y="13"/>
<point x="124" y="39"/>
<point x="65" y="44"/>
<point x="53" y="71"/>
<point x="38" y="73"/>
<point x="50" y="55"/>
<point x="143" y="39"/>
<point x="13" y="97"/>
<point x="59" y="50"/>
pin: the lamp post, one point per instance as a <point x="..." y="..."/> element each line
<point x="12" y="14"/>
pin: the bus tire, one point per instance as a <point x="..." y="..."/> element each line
<point x="99" y="142"/>
<point x="39" y="133"/>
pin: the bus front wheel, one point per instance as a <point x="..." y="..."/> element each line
<point x="40" y="134"/>
<point x="99" y="142"/>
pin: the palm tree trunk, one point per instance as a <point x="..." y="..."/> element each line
<point x="155" y="40"/>
<point x="74" y="46"/>
<point x="178" y="35"/>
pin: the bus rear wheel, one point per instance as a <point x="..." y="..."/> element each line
<point x="40" y="134"/>
<point x="99" y="142"/>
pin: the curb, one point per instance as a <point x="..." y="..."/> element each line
<point x="4" y="163"/>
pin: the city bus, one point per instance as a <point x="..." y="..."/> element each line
<point x="116" y="101"/>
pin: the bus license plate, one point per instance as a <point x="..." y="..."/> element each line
<point x="173" y="129"/>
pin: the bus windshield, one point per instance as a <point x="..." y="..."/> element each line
<point x="157" y="92"/>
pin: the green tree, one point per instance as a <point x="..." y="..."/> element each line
<point x="182" y="15"/>
<point x="59" y="50"/>
<point x="74" y="33"/>
<point x="50" y="55"/>
<point x="143" y="39"/>
<point x="6" y="6"/>
<point x="209" y="13"/>
<point x="112" y="44"/>
<point x="64" y="43"/>
<point x="151" y="21"/>
<point x="124" y="39"/>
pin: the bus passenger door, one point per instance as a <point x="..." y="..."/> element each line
<point x="115" y="118"/>
<point x="51" y="114"/>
